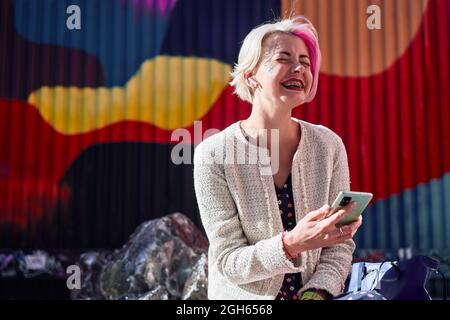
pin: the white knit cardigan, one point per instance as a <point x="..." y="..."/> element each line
<point x="239" y="210"/>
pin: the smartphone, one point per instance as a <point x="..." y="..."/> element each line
<point x="344" y="198"/>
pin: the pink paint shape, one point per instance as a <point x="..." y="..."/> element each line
<point x="160" y="6"/>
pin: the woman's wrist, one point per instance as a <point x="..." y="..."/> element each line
<point x="287" y="249"/>
<point x="291" y="245"/>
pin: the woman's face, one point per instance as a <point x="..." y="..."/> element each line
<point x="284" y="74"/>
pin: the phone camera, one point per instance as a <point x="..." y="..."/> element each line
<point x="345" y="201"/>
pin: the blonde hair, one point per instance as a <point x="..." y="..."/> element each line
<point x="250" y="53"/>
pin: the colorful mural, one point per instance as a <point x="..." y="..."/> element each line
<point x="86" y="115"/>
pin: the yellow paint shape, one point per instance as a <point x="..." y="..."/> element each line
<point x="169" y="92"/>
<point x="348" y="47"/>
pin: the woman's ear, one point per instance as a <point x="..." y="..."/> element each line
<point x="251" y="81"/>
<point x="247" y="77"/>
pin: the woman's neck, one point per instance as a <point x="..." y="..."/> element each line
<point x="260" y="120"/>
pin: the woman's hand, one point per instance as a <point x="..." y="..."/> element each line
<point x="316" y="230"/>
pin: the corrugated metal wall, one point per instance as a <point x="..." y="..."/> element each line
<point x="386" y="92"/>
<point x="86" y="115"/>
<point x="90" y="93"/>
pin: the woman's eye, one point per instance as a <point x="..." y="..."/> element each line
<point x="306" y="64"/>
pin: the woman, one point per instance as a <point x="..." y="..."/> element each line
<point x="270" y="235"/>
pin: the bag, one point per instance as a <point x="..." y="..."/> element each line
<point x="365" y="276"/>
<point x="407" y="279"/>
<point x="402" y="280"/>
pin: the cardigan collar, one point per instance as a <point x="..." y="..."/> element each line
<point x="263" y="158"/>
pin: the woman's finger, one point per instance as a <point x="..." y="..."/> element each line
<point x="332" y="220"/>
<point x="354" y="226"/>
<point x="318" y="214"/>
<point x="339" y="214"/>
<point x="348" y="231"/>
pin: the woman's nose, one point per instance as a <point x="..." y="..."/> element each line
<point x="299" y="68"/>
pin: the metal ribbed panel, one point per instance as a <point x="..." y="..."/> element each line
<point x="86" y="116"/>
<point x="386" y="93"/>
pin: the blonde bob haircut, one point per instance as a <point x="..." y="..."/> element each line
<point x="250" y="53"/>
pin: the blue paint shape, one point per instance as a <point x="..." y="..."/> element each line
<point x="215" y="28"/>
<point x="417" y="218"/>
<point x="116" y="31"/>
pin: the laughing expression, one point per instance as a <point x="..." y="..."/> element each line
<point x="284" y="71"/>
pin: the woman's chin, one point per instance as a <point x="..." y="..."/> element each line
<point x="292" y="103"/>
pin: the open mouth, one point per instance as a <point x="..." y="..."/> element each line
<point x="294" y="84"/>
